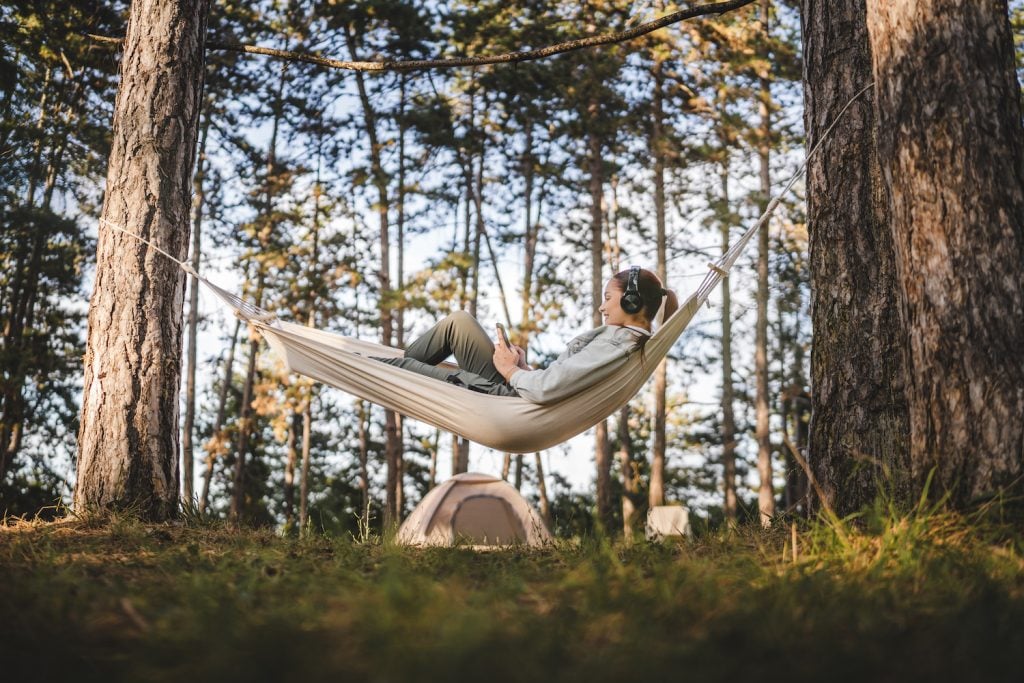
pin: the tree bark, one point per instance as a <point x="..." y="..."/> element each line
<point x="244" y="425"/>
<point x="128" y="436"/>
<point x="602" y="448"/>
<point x="393" y="437"/>
<point x="765" y="492"/>
<point x="218" y="422"/>
<point x="187" y="456"/>
<point x="542" y="491"/>
<point x="364" y="471"/>
<point x="951" y="149"/>
<point x="630" y="480"/>
<point x="859" y="421"/>
<point x="656" y="492"/>
<point x="307" y="432"/>
<point x="728" y="392"/>
<point x="291" y="459"/>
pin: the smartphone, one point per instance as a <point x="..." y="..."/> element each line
<point x="503" y="335"/>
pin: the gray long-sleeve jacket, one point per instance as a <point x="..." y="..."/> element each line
<point x="589" y="358"/>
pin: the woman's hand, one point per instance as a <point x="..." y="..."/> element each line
<point x="521" y="359"/>
<point x="506" y="360"/>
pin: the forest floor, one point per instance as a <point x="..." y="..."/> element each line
<point x="894" y="598"/>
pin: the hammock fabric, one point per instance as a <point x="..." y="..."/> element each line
<point x="508" y="424"/>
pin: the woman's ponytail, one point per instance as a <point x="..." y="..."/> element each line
<point x="671" y="304"/>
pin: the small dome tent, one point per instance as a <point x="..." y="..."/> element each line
<point x="478" y="508"/>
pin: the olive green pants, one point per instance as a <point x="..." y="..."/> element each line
<point x="458" y="334"/>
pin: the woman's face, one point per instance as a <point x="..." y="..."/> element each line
<point x="611" y="307"/>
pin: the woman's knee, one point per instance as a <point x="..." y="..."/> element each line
<point x="460" y="316"/>
<point x="460" y="320"/>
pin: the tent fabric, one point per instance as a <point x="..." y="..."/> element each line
<point x="506" y="423"/>
<point x="477" y="508"/>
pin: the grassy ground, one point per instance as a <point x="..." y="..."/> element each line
<point x="920" y="597"/>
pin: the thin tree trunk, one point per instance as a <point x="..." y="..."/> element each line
<point x="630" y="480"/>
<point x="765" y="491"/>
<point x="307" y="431"/>
<point x="218" y="422"/>
<point x="728" y="393"/>
<point x="951" y="149"/>
<point x="393" y="438"/>
<point x="432" y="475"/>
<point x="542" y="491"/>
<point x="364" y="471"/>
<point x="859" y="421"/>
<point x="291" y="459"/>
<point x="656" y="493"/>
<point x="315" y="282"/>
<point x="128" y="436"/>
<point x="244" y="423"/>
<point x="187" y="435"/>
<point x="602" y="447"/>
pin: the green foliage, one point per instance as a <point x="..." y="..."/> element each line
<point x="911" y="597"/>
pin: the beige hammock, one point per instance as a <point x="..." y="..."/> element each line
<point x="504" y="423"/>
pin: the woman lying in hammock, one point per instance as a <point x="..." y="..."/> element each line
<point x="631" y="302"/>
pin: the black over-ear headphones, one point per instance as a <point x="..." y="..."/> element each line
<point x="631" y="302"/>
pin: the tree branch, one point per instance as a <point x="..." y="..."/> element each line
<point x="507" y="58"/>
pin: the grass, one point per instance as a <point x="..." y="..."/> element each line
<point x="925" y="596"/>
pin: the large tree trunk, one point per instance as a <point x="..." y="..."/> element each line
<point x="128" y="438"/>
<point x="765" y="491"/>
<point x="859" y="424"/>
<point x="951" y="150"/>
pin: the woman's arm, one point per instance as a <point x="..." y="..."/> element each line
<point x="572" y="374"/>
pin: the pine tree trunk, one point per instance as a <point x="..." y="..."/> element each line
<point x="728" y="392"/>
<point x="128" y="436"/>
<point x="656" y="493"/>
<point x="602" y="448"/>
<point x="187" y="456"/>
<point x="364" y="470"/>
<point x="307" y="433"/>
<point x="542" y="491"/>
<point x="630" y="484"/>
<point x="393" y="437"/>
<point x="218" y="422"/>
<point x="291" y="459"/>
<point x="244" y="426"/>
<point x="432" y="474"/>
<point x="951" y="149"/>
<point x="859" y="422"/>
<point x="765" y="492"/>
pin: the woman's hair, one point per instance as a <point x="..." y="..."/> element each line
<point x="651" y="292"/>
